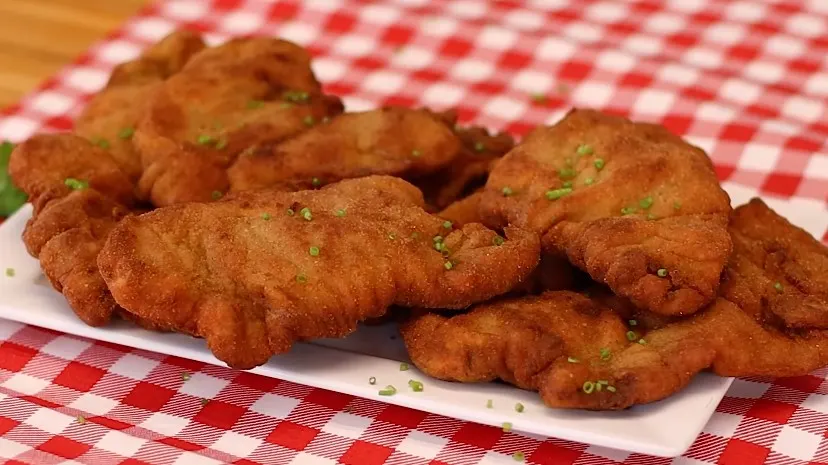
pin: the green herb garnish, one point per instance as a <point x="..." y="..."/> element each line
<point x="216" y="195"/>
<point x="205" y="139"/>
<point x="266" y="216"/>
<point x="388" y="391"/>
<point x="126" y="133"/>
<point x="306" y="214"/>
<point x="662" y="272"/>
<point x="479" y="147"/>
<point x="584" y="149"/>
<point x="631" y="336"/>
<point x="340" y="213"/>
<point x="519" y="407"/>
<point x="296" y="96"/>
<point x="605" y="353"/>
<point x="308" y="120"/>
<point x="556" y="194"/>
<point x="572" y="360"/>
<point x="301" y="279"/>
<point x="313" y="251"/>
<point x="10" y="272"/>
<point x="11" y="198"/>
<point x="497" y="240"/>
<point x="645" y="203"/>
<point x="76" y="184"/>
<point x="588" y="387"/>
<point x="506" y="427"/>
<point x="415" y="386"/>
<point x="778" y="286"/>
<point x="507" y="191"/>
<point x="518" y="456"/>
<point x="599" y="164"/>
<point x="404" y="366"/>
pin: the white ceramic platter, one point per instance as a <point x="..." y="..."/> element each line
<point x="345" y="365"/>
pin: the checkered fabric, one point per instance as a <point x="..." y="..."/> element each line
<point x="746" y="80"/>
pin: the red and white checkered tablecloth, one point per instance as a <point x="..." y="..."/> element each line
<point x="746" y="80"/>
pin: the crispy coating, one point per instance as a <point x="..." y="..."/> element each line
<point x="252" y="279"/>
<point x="394" y="141"/>
<point x="464" y="211"/>
<point x="771" y="317"/>
<point x="467" y="172"/>
<point x="111" y="115"/>
<point x="69" y="226"/>
<point x="562" y="344"/>
<point x="227" y="99"/>
<point x="641" y="200"/>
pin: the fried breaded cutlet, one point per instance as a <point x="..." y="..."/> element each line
<point x="227" y="99"/>
<point x="575" y="351"/>
<point x="110" y="117"/>
<point x="79" y="194"/>
<point x="394" y="141"/>
<point x="772" y="315"/>
<point x="469" y="171"/>
<point x="631" y="204"/>
<point x="260" y="270"/>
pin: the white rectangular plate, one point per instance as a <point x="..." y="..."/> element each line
<point x="345" y="365"/>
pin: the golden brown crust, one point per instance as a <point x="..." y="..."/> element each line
<point x="463" y="211"/>
<point x="554" y="343"/>
<point x="70" y="226"/>
<point x="251" y="287"/>
<point x="247" y="92"/>
<point x="641" y="200"/>
<point x="394" y="141"/>
<point x="120" y="104"/>
<point x="468" y="171"/>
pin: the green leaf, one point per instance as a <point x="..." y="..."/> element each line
<point x="11" y="198"/>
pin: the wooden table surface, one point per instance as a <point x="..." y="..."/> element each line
<point x="38" y="37"/>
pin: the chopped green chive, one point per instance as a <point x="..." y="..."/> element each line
<point x="102" y="143"/>
<point x="645" y="203"/>
<point x="555" y="194"/>
<point x="205" y="402"/>
<point x="584" y="149"/>
<point x="204" y="139"/>
<point x="479" y="146"/>
<point x="568" y="184"/>
<point x="80" y="419"/>
<point x="572" y="360"/>
<point x="567" y="173"/>
<point x="588" y="387"/>
<point x="215" y="195"/>
<point x="392" y="235"/>
<point x="651" y="217"/>
<point x="598" y="387"/>
<point x="628" y="210"/>
<point x="301" y="279"/>
<point x="599" y="164"/>
<point x="296" y="96"/>
<point x="306" y="214"/>
<point x="404" y="366"/>
<point x="676" y="205"/>
<point x="497" y="240"/>
<point x="589" y="181"/>
<point x="611" y="388"/>
<point x="316" y="182"/>
<point x="314" y="251"/>
<point x="253" y="104"/>
<point x="633" y="323"/>
<point x="539" y="98"/>
<point x="602" y="382"/>
<point x="266" y="216"/>
<point x="10" y="272"/>
<point x="290" y="212"/>
<point x="448" y="265"/>
<point x="126" y="133"/>
<point x="631" y="336"/>
<point x="518" y="456"/>
<point x="519" y="408"/>
<point x="340" y="213"/>
<point x="388" y="391"/>
<point x="662" y="272"/>
<point x="489" y="403"/>
<point x="606" y="354"/>
<point x="507" y="191"/>
<point x="185" y="376"/>
<point x="416" y="153"/>
<point x="75" y="184"/>
<point x="308" y="120"/>
<point x="506" y="427"/>
<point x="438" y="246"/>
<point x="643" y="342"/>
<point x="447" y="224"/>
<point x="778" y="286"/>
<point x="415" y="386"/>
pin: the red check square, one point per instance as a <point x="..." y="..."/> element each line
<point x="365" y="453"/>
<point x="220" y="414"/>
<point x="148" y="396"/>
<point x="481" y="436"/>
<point x="14" y="357"/>
<point x="739" y="452"/>
<point x="79" y="376"/>
<point x="291" y="435"/>
<point x="772" y="410"/>
<point x="64" y="447"/>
